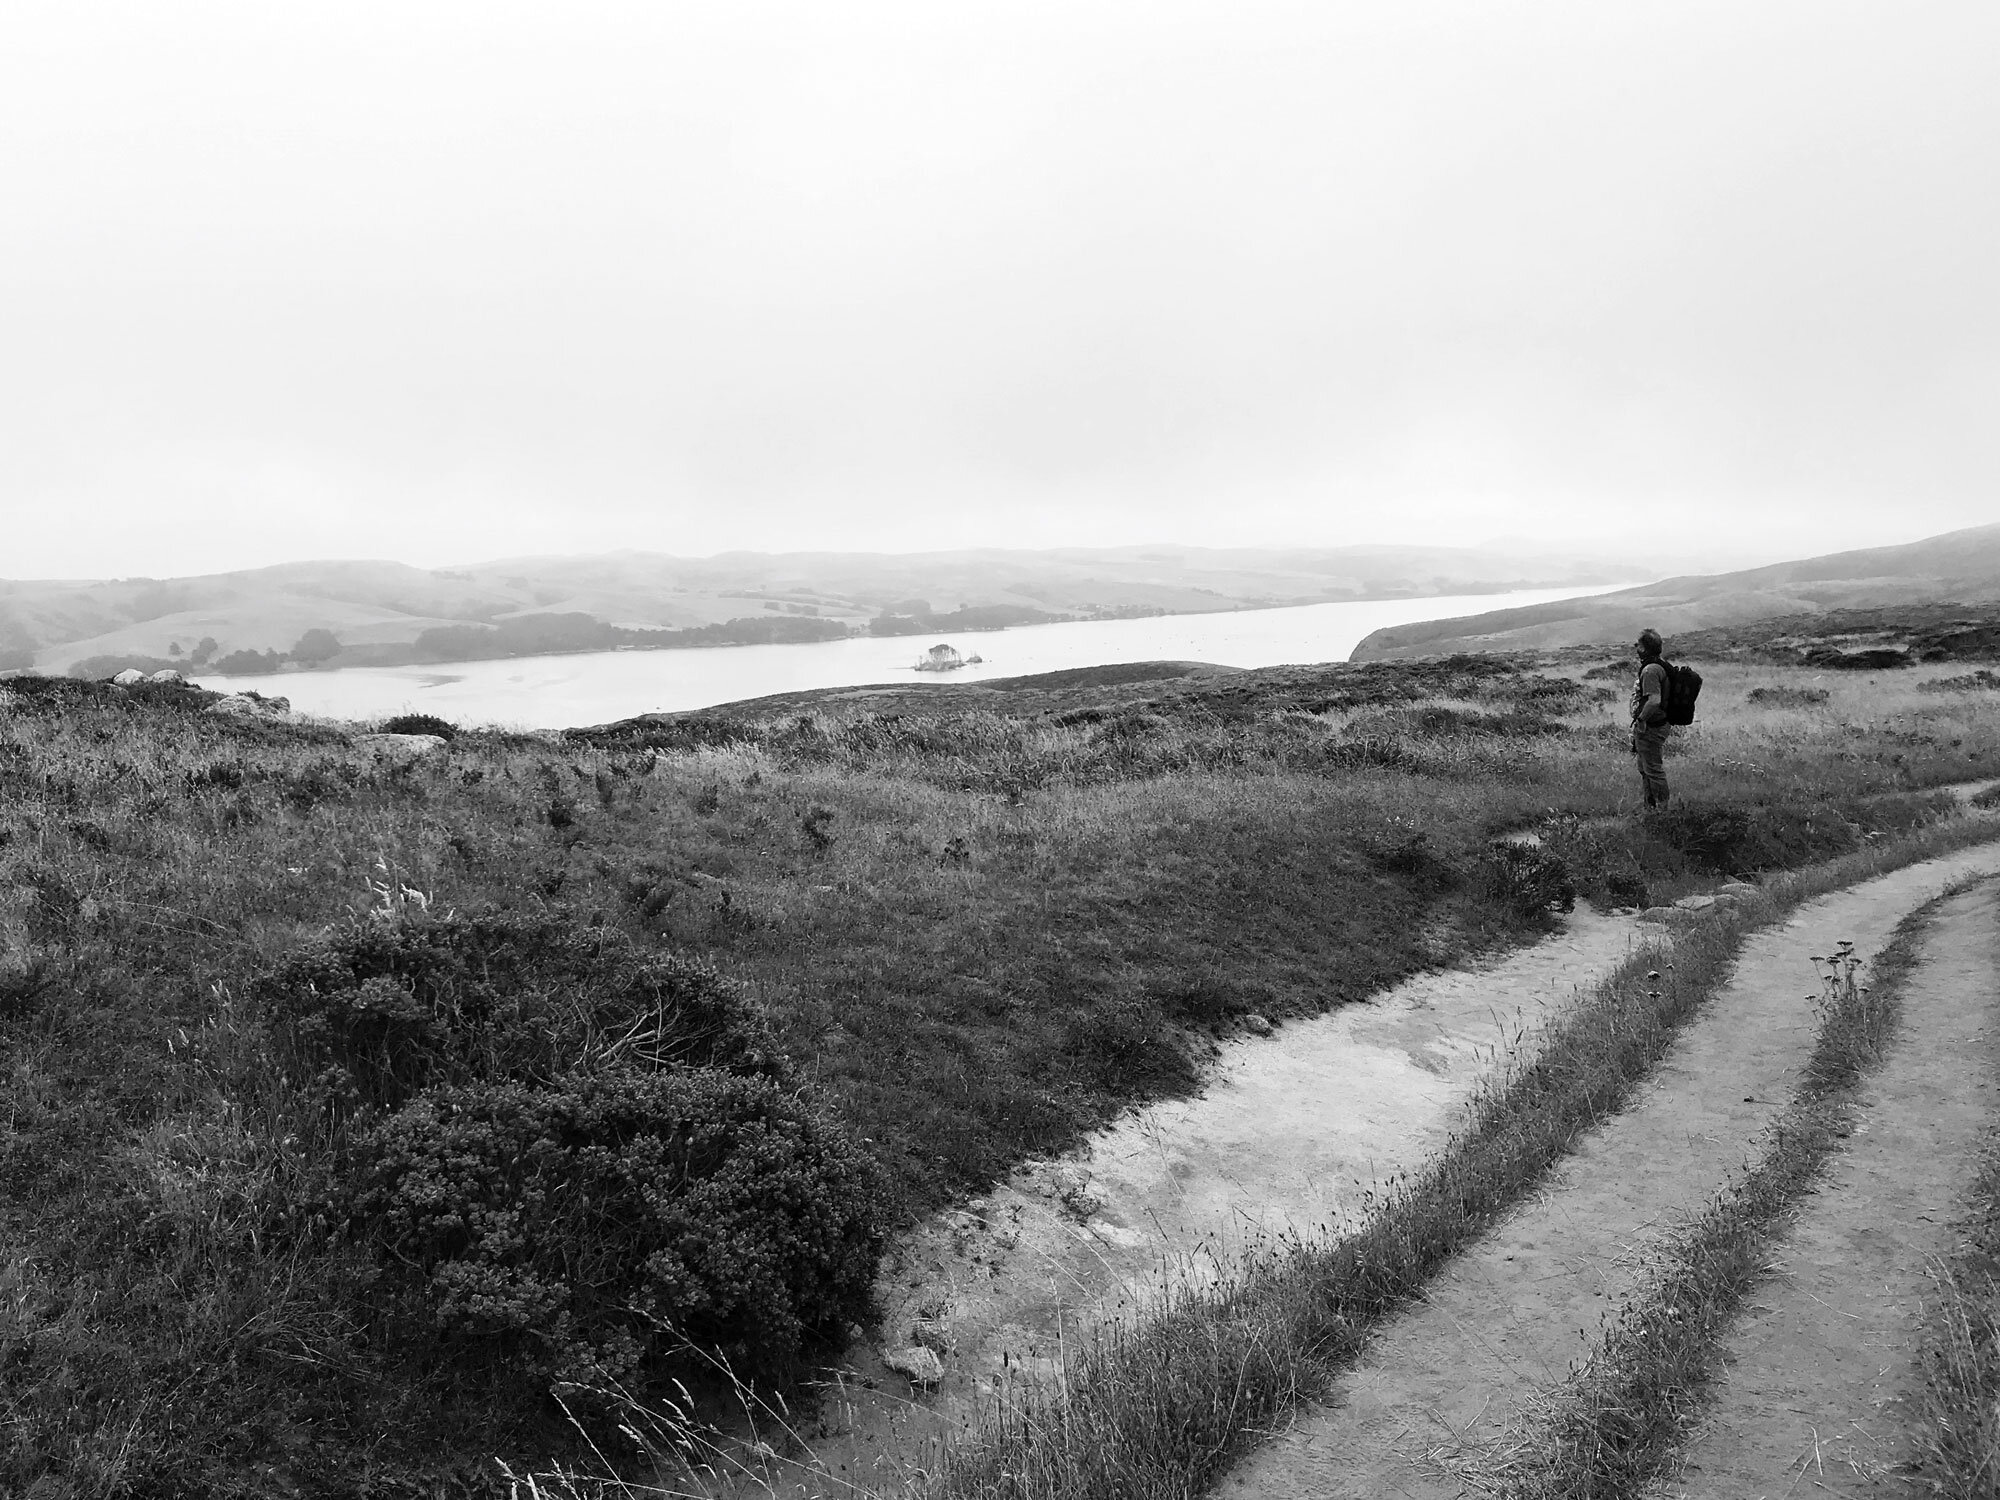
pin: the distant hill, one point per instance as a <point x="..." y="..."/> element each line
<point x="1961" y="567"/>
<point x="382" y="613"/>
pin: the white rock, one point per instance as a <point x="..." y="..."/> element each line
<point x="1695" y="903"/>
<point x="920" y="1365"/>
<point x="129" y="676"/>
<point x="1115" y="1234"/>
<point x="399" y="746"/>
<point x="242" y="706"/>
<point x="166" y="674"/>
<point x="1072" y="1187"/>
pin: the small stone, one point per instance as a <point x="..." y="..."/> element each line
<point x="1695" y="903"/>
<point x="920" y="1366"/>
<point x="932" y="1334"/>
<point x="1256" y="1025"/>
<point x="1072" y="1185"/>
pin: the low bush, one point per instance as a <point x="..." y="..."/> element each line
<point x="590" y="1230"/>
<point x="382" y="1009"/>
<point x="577" y="1156"/>
<point x="1534" y="881"/>
<point x="1792" y="697"/>
<point x="1721" y="839"/>
<point x="1982" y="681"/>
<point x="444" y="729"/>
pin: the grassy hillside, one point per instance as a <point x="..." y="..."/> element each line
<point x="383" y="613"/>
<point x="1962" y="566"/>
<point x="309" y="1044"/>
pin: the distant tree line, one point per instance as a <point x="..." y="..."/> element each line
<point x="541" y="635"/>
<point x="915" y="617"/>
<point x="555" y="633"/>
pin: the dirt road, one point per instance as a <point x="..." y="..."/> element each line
<point x="1510" y="1316"/>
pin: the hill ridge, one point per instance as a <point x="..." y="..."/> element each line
<point x="1959" y="567"/>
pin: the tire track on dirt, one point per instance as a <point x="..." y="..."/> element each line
<point x="1821" y="1368"/>
<point x="1512" y="1316"/>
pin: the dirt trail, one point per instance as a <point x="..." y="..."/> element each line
<point x="1824" y="1360"/>
<point x="1514" y="1312"/>
<point x="1289" y="1133"/>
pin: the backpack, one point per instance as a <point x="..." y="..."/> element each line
<point x="1683" y="686"/>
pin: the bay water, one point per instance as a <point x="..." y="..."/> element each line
<point x="595" y="687"/>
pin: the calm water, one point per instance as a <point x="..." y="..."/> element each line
<point x="547" y="692"/>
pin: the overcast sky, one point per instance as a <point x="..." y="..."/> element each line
<point x="450" y="281"/>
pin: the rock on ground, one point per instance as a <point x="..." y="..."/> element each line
<point x="243" y="706"/>
<point x="920" y="1364"/>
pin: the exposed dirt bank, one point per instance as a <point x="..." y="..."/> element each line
<point x="1288" y="1137"/>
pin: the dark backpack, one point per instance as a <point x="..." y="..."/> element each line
<point x="1683" y="686"/>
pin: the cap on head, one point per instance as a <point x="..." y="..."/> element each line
<point x="1650" y="643"/>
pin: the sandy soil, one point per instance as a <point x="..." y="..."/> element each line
<point x="1823" y="1364"/>
<point x="1291" y="1131"/>
<point x="1515" y="1311"/>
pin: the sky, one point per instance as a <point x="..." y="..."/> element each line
<point x="446" y="280"/>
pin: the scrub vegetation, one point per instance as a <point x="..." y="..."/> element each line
<point x="360" y="1104"/>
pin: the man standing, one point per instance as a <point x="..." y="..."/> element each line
<point x="1649" y="718"/>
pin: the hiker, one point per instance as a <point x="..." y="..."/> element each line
<point x="1649" y="717"/>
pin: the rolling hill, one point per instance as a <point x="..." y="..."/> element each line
<point x="383" y="612"/>
<point x="1961" y="567"/>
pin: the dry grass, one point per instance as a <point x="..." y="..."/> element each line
<point x="979" y="940"/>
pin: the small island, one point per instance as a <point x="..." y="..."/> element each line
<point x="945" y="658"/>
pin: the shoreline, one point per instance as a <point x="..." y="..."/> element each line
<point x="553" y="690"/>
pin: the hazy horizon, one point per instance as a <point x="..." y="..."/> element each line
<point x="456" y="280"/>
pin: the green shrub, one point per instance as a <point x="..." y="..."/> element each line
<point x="1982" y="681"/>
<point x="596" y="1227"/>
<point x="444" y="729"/>
<point x="384" y="1008"/>
<point x="1719" y="840"/>
<point x="1534" y="881"/>
<point x="1798" y="697"/>
<point x="578" y="1156"/>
